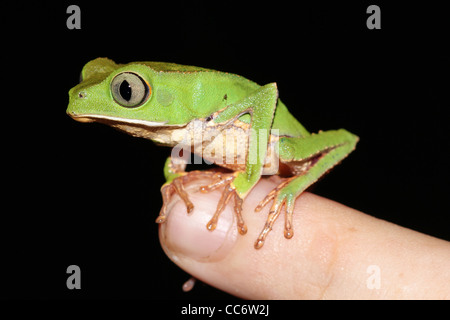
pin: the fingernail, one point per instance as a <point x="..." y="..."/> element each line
<point x="187" y="235"/>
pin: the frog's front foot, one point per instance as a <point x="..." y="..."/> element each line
<point x="224" y="180"/>
<point x="177" y="187"/>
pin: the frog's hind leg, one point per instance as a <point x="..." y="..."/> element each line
<point x="326" y="150"/>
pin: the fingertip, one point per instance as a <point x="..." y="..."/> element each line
<point x="194" y="236"/>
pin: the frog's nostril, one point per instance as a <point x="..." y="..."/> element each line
<point x="81" y="95"/>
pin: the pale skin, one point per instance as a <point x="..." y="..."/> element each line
<point x="333" y="255"/>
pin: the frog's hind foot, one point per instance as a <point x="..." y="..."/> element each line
<point x="225" y="180"/>
<point x="280" y="198"/>
<point x="177" y="186"/>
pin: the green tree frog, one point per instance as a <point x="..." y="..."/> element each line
<point x="224" y="118"/>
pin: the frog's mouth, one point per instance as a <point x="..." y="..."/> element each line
<point x="111" y="120"/>
<point x="160" y="132"/>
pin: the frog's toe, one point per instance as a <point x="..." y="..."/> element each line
<point x="219" y="179"/>
<point x="274" y="212"/>
<point x="167" y="191"/>
<point x="270" y="196"/>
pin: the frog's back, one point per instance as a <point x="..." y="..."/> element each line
<point x="232" y="88"/>
<point x="203" y="90"/>
<point x="174" y="67"/>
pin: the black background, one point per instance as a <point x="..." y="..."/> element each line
<point x="88" y="195"/>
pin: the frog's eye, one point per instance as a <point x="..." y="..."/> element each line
<point x="129" y="90"/>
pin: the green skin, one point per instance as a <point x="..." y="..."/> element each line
<point x="177" y="95"/>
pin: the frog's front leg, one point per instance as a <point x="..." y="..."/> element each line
<point x="261" y="106"/>
<point x="176" y="177"/>
<point x="311" y="157"/>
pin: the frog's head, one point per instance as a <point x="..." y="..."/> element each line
<point x="123" y="95"/>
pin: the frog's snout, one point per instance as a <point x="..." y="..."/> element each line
<point x="75" y="98"/>
<point x="77" y="117"/>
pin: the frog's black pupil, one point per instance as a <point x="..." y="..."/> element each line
<point x="125" y="90"/>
